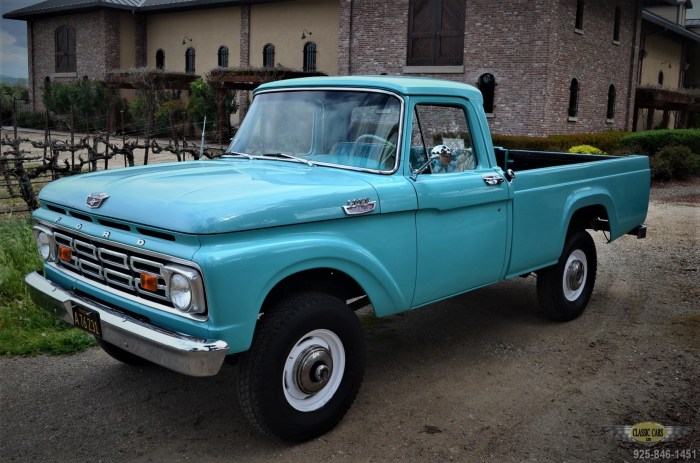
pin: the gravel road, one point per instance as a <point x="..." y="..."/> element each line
<point x="478" y="378"/>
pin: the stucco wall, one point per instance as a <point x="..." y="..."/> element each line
<point x="672" y="13"/>
<point x="127" y="46"/>
<point x="209" y="29"/>
<point x="282" y="25"/>
<point x="662" y="55"/>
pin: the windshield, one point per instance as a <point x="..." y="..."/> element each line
<point x="356" y="129"/>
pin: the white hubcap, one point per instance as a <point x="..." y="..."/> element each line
<point x="313" y="370"/>
<point x="575" y="274"/>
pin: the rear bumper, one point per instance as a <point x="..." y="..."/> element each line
<point x="179" y="352"/>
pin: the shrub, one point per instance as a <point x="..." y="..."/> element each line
<point x="203" y="102"/>
<point x="652" y="141"/>
<point x="32" y="120"/>
<point x="88" y="99"/>
<point x="608" y="142"/>
<point x="674" y="162"/>
<point x="585" y="149"/>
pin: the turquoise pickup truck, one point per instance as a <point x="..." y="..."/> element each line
<point x="336" y="193"/>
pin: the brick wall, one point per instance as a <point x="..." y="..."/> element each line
<point x="596" y="62"/>
<point x="244" y="96"/>
<point x="530" y="47"/>
<point x="377" y="36"/>
<point x="141" y="40"/>
<point x="97" y="49"/>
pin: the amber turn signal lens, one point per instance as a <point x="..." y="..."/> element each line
<point x="64" y="253"/>
<point x="149" y="282"/>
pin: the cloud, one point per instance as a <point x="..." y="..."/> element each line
<point x="13" y="57"/>
<point x="13" y="40"/>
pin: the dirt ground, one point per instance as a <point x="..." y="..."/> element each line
<point x="478" y="378"/>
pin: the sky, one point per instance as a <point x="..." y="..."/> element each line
<point x="13" y="40"/>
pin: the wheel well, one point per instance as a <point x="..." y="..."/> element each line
<point x="589" y="217"/>
<point x="325" y="280"/>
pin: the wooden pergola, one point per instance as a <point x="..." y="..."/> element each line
<point x="661" y="99"/>
<point x="249" y="78"/>
<point x="221" y="79"/>
<point x="149" y="78"/>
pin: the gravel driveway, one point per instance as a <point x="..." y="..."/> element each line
<point x="478" y="378"/>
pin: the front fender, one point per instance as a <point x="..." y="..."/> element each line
<point x="241" y="269"/>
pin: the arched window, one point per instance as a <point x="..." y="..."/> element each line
<point x="487" y="85"/>
<point x="269" y="56"/>
<point x="223" y="57"/>
<point x="616" y="29"/>
<point x="661" y="77"/>
<point x="611" y="102"/>
<point x="579" y="15"/>
<point x="65" y="49"/>
<point x="160" y="59"/>
<point x="309" y="57"/>
<point x="189" y="61"/>
<point x="573" y="98"/>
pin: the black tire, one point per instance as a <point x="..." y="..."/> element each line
<point x="121" y="355"/>
<point x="564" y="289"/>
<point x="292" y="383"/>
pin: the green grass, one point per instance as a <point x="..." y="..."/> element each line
<point x="24" y="328"/>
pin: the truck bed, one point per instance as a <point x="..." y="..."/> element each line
<point x="520" y="160"/>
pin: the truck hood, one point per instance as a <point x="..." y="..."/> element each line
<point x="208" y="197"/>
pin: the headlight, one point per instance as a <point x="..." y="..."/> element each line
<point x="185" y="289"/>
<point x="180" y="292"/>
<point x="44" y="242"/>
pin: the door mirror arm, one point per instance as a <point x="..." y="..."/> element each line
<point x="421" y="169"/>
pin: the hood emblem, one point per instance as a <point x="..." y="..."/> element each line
<point x="359" y="206"/>
<point x="95" y="200"/>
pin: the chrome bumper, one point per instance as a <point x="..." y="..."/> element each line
<point x="176" y="351"/>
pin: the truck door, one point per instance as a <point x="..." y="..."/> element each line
<point x="462" y="216"/>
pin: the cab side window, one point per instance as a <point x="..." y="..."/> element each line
<point x="443" y="130"/>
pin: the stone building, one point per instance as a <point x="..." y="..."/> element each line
<point x="544" y="66"/>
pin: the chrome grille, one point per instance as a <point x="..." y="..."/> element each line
<point x="117" y="267"/>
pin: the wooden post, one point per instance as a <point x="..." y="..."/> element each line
<point x="650" y="118"/>
<point x="72" y="138"/>
<point x="14" y="117"/>
<point x="123" y="136"/>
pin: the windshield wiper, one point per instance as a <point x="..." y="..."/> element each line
<point x="290" y="157"/>
<point x="232" y="154"/>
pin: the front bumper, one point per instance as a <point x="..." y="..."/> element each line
<point x="176" y="351"/>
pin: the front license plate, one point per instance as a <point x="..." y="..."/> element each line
<point x="87" y="320"/>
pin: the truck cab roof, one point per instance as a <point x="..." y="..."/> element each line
<point x="398" y="84"/>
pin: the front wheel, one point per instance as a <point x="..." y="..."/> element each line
<point x="564" y="289"/>
<point x="304" y="368"/>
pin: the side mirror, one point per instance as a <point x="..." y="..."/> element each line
<point x="422" y="168"/>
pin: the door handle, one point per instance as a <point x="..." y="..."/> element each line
<point x="492" y="179"/>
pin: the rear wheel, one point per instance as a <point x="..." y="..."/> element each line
<point x="565" y="289"/>
<point x="304" y="368"/>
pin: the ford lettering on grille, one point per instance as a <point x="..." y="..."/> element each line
<point x="113" y="266"/>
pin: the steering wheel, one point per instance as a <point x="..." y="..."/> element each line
<point x="388" y="157"/>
